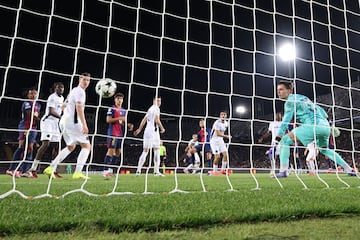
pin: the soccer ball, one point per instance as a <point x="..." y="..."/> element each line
<point x="106" y="88"/>
<point x="335" y="131"/>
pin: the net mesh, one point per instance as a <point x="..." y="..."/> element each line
<point x="201" y="57"/>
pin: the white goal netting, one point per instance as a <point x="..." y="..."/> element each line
<point x="201" y="57"/>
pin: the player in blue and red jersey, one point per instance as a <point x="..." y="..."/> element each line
<point x="116" y="117"/>
<point x="30" y="111"/>
<point x="204" y="141"/>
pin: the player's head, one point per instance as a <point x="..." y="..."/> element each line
<point x="284" y="89"/>
<point x="202" y="123"/>
<point x="31" y="93"/>
<point x="157" y="101"/>
<point x="118" y="99"/>
<point x="223" y="115"/>
<point x="58" y="88"/>
<point x="194" y="136"/>
<point x="84" y="80"/>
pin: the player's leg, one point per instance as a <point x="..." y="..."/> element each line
<point x="322" y="140"/>
<point x="17" y="155"/>
<point x="82" y="158"/>
<point x="305" y="134"/>
<point x="108" y="157"/>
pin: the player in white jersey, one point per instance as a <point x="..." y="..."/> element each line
<point x="217" y="143"/>
<point x="151" y="138"/>
<point x="74" y="128"/>
<point x="274" y="149"/>
<point x="192" y="157"/>
<point x="49" y="127"/>
<point x="311" y="153"/>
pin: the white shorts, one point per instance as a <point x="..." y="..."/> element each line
<point x="218" y="146"/>
<point x="50" y="130"/>
<point x="73" y="133"/>
<point x="151" y="139"/>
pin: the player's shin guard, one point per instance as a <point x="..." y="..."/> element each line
<point x="156" y="161"/>
<point x="285" y="143"/>
<point x="330" y="153"/>
<point x="81" y="160"/>
<point x="141" y="162"/>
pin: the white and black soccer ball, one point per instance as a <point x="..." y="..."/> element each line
<point x="106" y="88"/>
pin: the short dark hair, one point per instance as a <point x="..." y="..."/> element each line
<point x="86" y="74"/>
<point x="287" y="84"/>
<point x="119" y="95"/>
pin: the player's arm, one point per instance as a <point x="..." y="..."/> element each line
<point x="265" y="136"/>
<point x="219" y="134"/>
<point x="288" y="115"/>
<point x="158" y="122"/>
<point x="142" y="124"/>
<point x="110" y="119"/>
<point x="80" y="111"/>
<point x="52" y="112"/>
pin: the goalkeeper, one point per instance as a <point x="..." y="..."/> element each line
<point x="314" y="127"/>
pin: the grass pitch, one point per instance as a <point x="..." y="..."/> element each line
<point x="161" y="211"/>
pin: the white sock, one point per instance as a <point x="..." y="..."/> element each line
<point x="142" y="160"/>
<point x="312" y="165"/>
<point x="223" y="165"/>
<point x="34" y="165"/>
<point x="197" y="157"/>
<point x="189" y="166"/>
<point x="215" y="167"/>
<point x="81" y="160"/>
<point x="156" y="161"/>
<point x="60" y="157"/>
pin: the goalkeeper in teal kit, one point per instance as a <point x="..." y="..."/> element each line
<point x="314" y="127"/>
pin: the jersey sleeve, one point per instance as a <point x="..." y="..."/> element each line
<point x="51" y="101"/>
<point x="110" y="112"/>
<point x="288" y="115"/>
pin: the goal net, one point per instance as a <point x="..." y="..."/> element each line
<point x="202" y="57"/>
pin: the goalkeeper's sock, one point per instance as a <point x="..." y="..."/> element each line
<point x="142" y="160"/>
<point x="81" y="160"/>
<point x="60" y="157"/>
<point x="330" y="153"/>
<point x="286" y="141"/>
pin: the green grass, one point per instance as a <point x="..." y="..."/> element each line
<point x="169" y="213"/>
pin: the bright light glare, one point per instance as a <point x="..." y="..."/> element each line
<point x="287" y="52"/>
<point x="240" y="109"/>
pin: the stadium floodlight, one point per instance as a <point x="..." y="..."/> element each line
<point x="287" y="52"/>
<point x="240" y="109"/>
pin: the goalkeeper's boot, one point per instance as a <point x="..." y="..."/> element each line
<point x="49" y="171"/>
<point x="79" y="175"/>
<point x="282" y="175"/>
